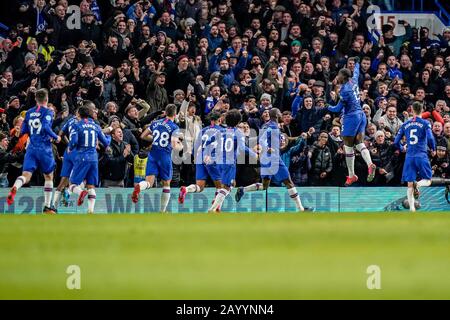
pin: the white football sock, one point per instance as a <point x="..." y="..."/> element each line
<point x="165" y="197"/>
<point x="424" y="183"/>
<point x="56" y="198"/>
<point x="143" y="185"/>
<point x="365" y="153"/>
<point x="410" y="195"/>
<point x="92" y="195"/>
<point x="218" y="200"/>
<point x="75" y="189"/>
<point x="48" y="191"/>
<point x="20" y="181"/>
<point x="294" y="196"/>
<point x="350" y="160"/>
<point x="192" y="188"/>
<point x="253" y="187"/>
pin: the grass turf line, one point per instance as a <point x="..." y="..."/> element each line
<point x="226" y="256"/>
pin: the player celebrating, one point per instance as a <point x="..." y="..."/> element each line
<point x="418" y="136"/>
<point x="206" y="163"/>
<point x="232" y="144"/>
<point x="354" y="123"/>
<point x="271" y="163"/>
<point x="165" y="134"/>
<point x="84" y="139"/>
<point x="38" y="124"/>
<point x="67" y="164"/>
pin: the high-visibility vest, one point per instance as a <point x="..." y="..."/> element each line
<point x="140" y="164"/>
<point x="46" y="52"/>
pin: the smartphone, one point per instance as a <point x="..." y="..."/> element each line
<point x="401" y="21"/>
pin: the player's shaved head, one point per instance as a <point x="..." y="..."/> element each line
<point x="417" y="107"/>
<point x="233" y="118"/>
<point x="171" y="110"/>
<point x="274" y="114"/>
<point x="42" y="96"/>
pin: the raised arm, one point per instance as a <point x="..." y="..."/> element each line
<point x="356" y="71"/>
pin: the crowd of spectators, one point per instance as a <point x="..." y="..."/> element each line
<point x="132" y="58"/>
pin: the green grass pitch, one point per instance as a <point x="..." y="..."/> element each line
<point x="226" y="256"/>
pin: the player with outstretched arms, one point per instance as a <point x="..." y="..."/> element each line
<point x="419" y="138"/>
<point x="271" y="163"/>
<point x="232" y="144"/>
<point x="354" y="122"/>
<point x="165" y="135"/>
<point x="39" y="154"/>
<point x="206" y="162"/>
<point x="84" y="139"/>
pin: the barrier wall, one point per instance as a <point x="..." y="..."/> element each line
<point x="324" y="199"/>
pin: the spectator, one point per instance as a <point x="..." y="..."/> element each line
<point x="156" y="93"/>
<point x="321" y="161"/>
<point x="115" y="163"/>
<point x="6" y="158"/>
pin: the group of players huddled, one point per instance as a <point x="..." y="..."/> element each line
<point x="217" y="151"/>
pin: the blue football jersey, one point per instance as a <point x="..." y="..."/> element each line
<point x="270" y="138"/>
<point x="208" y="143"/>
<point x="38" y="124"/>
<point x="350" y="100"/>
<point x="162" y="132"/>
<point x="69" y="125"/>
<point x="418" y="137"/>
<point x="84" y="138"/>
<point x="233" y="145"/>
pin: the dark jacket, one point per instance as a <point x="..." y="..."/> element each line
<point x="114" y="163"/>
<point x="6" y="158"/>
<point x="156" y="95"/>
<point x="321" y="159"/>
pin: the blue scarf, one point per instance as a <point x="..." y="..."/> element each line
<point x="41" y="24"/>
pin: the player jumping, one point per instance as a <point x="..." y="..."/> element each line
<point x="418" y="136"/>
<point x="39" y="154"/>
<point x="165" y="135"/>
<point x="206" y="163"/>
<point x="84" y="138"/>
<point x="271" y="163"/>
<point x="354" y="123"/>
